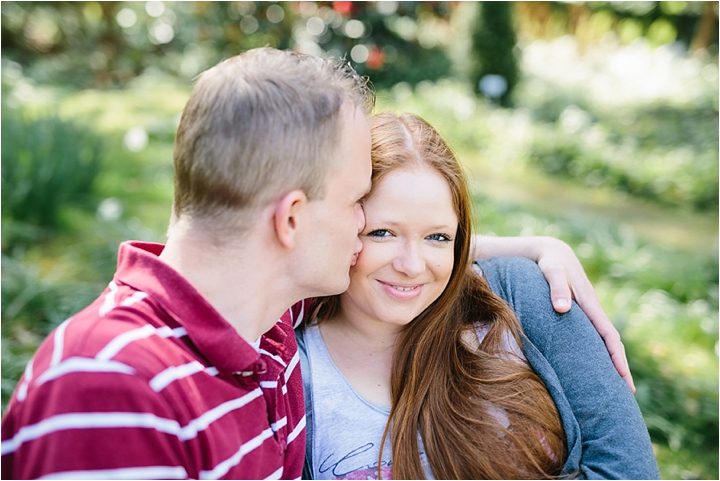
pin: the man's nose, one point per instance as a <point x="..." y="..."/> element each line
<point x="360" y="217"/>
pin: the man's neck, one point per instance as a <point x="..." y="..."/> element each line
<point x="242" y="284"/>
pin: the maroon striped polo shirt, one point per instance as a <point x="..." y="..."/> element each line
<point x="149" y="381"/>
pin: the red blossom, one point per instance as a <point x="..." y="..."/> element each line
<point x="376" y="58"/>
<point x="343" y="8"/>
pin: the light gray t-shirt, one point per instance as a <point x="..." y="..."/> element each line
<point x="347" y="428"/>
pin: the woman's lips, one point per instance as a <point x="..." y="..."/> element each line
<point x="400" y="290"/>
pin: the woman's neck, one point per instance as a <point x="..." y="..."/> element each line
<point x="362" y="349"/>
<point x="366" y="335"/>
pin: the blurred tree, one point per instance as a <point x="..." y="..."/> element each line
<point x="664" y="22"/>
<point x="691" y="24"/>
<point x="707" y="29"/>
<point x="105" y="44"/>
<point x="495" y="71"/>
<point x="391" y="41"/>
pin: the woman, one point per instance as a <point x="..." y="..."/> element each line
<point x="422" y="357"/>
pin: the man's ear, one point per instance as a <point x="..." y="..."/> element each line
<point x="287" y="216"/>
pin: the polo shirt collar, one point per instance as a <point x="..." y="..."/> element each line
<point x="140" y="268"/>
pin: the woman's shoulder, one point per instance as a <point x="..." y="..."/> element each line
<point x="521" y="284"/>
<point x="517" y="280"/>
<point x="507" y="269"/>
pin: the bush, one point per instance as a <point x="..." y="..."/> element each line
<point x="679" y="411"/>
<point x="34" y="304"/>
<point x="46" y="163"/>
<point x="683" y="174"/>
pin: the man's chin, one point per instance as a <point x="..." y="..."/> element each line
<point x="332" y="287"/>
<point x="341" y="286"/>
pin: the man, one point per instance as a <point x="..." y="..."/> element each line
<point x="181" y="368"/>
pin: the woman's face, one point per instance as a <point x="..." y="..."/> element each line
<point x="408" y="247"/>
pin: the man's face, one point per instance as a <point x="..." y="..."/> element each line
<point x="332" y="240"/>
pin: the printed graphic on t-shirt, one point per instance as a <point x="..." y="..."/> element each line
<point x="354" y="465"/>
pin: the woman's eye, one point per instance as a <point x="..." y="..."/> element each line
<point x="379" y="233"/>
<point x="439" y="238"/>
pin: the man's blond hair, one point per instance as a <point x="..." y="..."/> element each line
<point x="256" y="126"/>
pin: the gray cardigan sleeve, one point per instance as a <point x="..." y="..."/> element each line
<point x="607" y="437"/>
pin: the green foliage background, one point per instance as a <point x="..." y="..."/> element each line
<point x="595" y="151"/>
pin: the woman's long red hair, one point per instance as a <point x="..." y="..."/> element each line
<point x="477" y="411"/>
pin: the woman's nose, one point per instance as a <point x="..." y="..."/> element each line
<point x="409" y="260"/>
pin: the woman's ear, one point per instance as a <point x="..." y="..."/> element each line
<point x="287" y="216"/>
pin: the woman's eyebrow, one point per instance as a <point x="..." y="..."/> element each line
<point x="393" y="223"/>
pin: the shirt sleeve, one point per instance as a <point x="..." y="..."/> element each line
<point x="570" y="356"/>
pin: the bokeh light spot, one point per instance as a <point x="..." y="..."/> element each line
<point x="126" y="17"/>
<point x="275" y="14"/>
<point x="315" y="26"/>
<point x="354" y="28"/>
<point x="249" y="24"/>
<point x="359" y="53"/>
<point x="154" y="9"/>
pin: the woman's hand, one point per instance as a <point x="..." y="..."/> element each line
<point x="567" y="280"/>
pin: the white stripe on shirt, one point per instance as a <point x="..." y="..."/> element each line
<point x="58" y="343"/>
<point x="123" y="340"/>
<point x="136" y="297"/>
<point x="62" y="422"/>
<point x="83" y="364"/>
<point x="273" y="356"/>
<point x="279" y="424"/>
<point x="202" y="422"/>
<point x="119" y="342"/>
<point x="179" y="332"/>
<point x="144" y="472"/>
<point x="291" y="367"/>
<point x="23" y="387"/>
<point x="298" y="429"/>
<point x="173" y="373"/>
<point x="222" y="468"/>
<point x="276" y="475"/>
<point x="109" y="302"/>
<point x="300" y="317"/>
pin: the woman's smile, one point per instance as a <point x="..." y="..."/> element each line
<point x="401" y="291"/>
